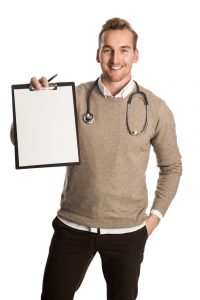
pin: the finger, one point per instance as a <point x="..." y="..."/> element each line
<point x="35" y="83"/>
<point x="44" y="82"/>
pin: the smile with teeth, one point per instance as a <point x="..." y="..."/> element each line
<point x="115" y="67"/>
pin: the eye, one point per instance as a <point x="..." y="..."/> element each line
<point x="106" y="50"/>
<point x="124" y="51"/>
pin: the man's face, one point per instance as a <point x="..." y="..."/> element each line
<point x="116" y="56"/>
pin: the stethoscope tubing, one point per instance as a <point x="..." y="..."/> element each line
<point x="88" y="117"/>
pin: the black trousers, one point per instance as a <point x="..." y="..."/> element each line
<point x="72" y="250"/>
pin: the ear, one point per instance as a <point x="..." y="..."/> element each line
<point x="97" y="56"/>
<point x="135" y="55"/>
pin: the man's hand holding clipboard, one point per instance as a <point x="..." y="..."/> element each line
<point x="38" y="84"/>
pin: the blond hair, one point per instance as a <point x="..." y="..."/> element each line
<point x="118" y="23"/>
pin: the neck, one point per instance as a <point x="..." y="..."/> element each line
<point x="115" y="87"/>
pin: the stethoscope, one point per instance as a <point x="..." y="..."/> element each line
<point x="88" y="117"/>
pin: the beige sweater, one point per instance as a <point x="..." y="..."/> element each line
<point x="108" y="188"/>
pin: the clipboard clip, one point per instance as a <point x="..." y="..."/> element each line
<point x="52" y="86"/>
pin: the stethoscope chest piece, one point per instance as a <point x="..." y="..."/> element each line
<point x="88" y="118"/>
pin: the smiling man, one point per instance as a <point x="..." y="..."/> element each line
<point x="117" y="52"/>
<point x="104" y="200"/>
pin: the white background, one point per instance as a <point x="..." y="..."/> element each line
<point x="49" y="37"/>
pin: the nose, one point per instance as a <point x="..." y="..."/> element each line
<point x="115" y="58"/>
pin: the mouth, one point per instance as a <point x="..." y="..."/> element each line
<point x="115" y="67"/>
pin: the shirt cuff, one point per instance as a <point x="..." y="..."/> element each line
<point x="156" y="213"/>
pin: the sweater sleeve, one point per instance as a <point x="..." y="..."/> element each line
<point x="168" y="157"/>
<point x="12" y="134"/>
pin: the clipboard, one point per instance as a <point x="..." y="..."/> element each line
<point x="45" y="126"/>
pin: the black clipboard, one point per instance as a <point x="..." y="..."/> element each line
<point x="45" y="126"/>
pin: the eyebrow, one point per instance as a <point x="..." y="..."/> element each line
<point x="127" y="47"/>
<point x="123" y="47"/>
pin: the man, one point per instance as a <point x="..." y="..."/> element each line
<point x="104" y="200"/>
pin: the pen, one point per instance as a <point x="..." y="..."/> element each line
<point x="50" y="79"/>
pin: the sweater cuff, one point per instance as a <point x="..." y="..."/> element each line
<point x="156" y="213"/>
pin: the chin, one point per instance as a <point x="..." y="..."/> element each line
<point x="117" y="78"/>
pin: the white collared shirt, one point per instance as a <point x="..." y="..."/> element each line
<point x="122" y="94"/>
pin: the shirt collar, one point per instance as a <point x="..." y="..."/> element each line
<point x="122" y="94"/>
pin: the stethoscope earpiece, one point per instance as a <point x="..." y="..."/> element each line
<point x="88" y="118"/>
